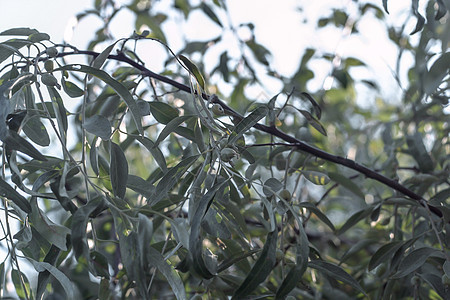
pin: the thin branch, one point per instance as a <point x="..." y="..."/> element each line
<point x="272" y="130"/>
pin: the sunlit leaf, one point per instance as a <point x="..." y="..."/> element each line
<point x="193" y="70"/>
<point x="71" y="89"/>
<point x="315" y="177"/>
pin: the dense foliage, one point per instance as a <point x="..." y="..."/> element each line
<point x="120" y="182"/>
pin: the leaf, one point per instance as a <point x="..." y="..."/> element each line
<point x="140" y="186"/>
<point x="417" y="150"/>
<point x="118" y="87"/>
<point x="436" y="74"/>
<point x="271" y="186"/>
<point x="171" y="178"/>
<point x="99" y="126"/>
<point x="347" y="183"/>
<point x="98" y="62"/>
<point x="385" y="6"/>
<point x="10" y="47"/>
<point x="38" y="37"/>
<point x="52" y="232"/>
<point x="315" y="177"/>
<point x="118" y="171"/>
<point x="193" y="70"/>
<point x="442" y="10"/>
<point x="247" y="123"/>
<point x="420" y="19"/>
<point x="195" y="240"/>
<point x="21" y="31"/>
<point x="17" y="279"/>
<point x="156" y="259"/>
<point x="261" y="269"/>
<point x="60" y="110"/>
<point x="316" y="106"/>
<point x="14" y="141"/>
<point x="79" y="223"/>
<point x="436" y="283"/>
<point x="296" y="273"/>
<point x="354" y="219"/>
<point x="414" y="260"/>
<point x="335" y="272"/>
<point x="155" y="151"/>
<point x="383" y="253"/>
<point x="170" y="127"/>
<point x="7" y="191"/>
<point x="313" y="121"/>
<point x="318" y="213"/>
<point x="72" y="90"/>
<point x="356" y="248"/>
<point x="163" y="112"/>
<point x="210" y="13"/>
<point x="36" y="131"/>
<point x="57" y="274"/>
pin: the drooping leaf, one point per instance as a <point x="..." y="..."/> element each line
<point x="118" y="171"/>
<point x="21" y="285"/>
<point x="171" y="178"/>
<point x="336" y="272"/>
<point x="261" y="269"/>
<point x="118" y="87"/>
<point x="420" y="19"/>
<point x="13" y="141"/>
<point x="316" y="106"/>
<point x="98" y="125"/>
<point x="140" y="186"/>
<point x="318" y="213"/>
<point x="54" y="233"/>
<point x="193" y="70"/>
<point x="313" y="121"/>
<point x="98" y="62"/>
<point x="386" y="251"/>
<point x="170" y="127"/>
<point x="7" y="191"/>
<point x="354" y="219"/>
<point x="210" y="13"/>
<point x="36" y="131"/>
<point x="247" y="123"/>
<point x="57" y="274"/>
<point x="414" y="260"/>
<point x="71" y="89"/>
<point x="155" y="151"/>
<point x="60" y="111"/>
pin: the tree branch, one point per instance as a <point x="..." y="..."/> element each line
<point x="272" y="130"/>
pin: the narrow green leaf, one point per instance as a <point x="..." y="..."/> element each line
<point x="383" y="254"/>
<point x="436" y="74"/>
<point x="171" y="178"/>
<point x="195" y="240"/>
<point x="315" y="177"/>
<point x="93" y="157"/>
<point x="247" y="123"/>
<point x="21" y="31"/>
<point x="414" y="260"/>
<point x="2" y="275"/>
<point x="420" y="19"/>
<point x="354" y="219"/>
<point x="57" y="274"/>
<point x="271" y="186"/>
<point x="140" y="186"/>
<point x="14" y="141"/>
<point x="336" y="272"/>
<point x="170" y="127"/>
<point x="296" y="273"/>
<point x="10" y="47"/>
<point x="347" y="183"/>
<point x="163" y="112"/>
<point x="98" y="125"/>
<point x="385" y="6"/>
<point x="313" y="121"/>
<point x="60" y="110"/>
<point x="318" y="213"/>
<point x="118" y="170"/>
<point x="155" y="151"/>
<point x="156" y="259"/>
<point x="261" y="269"/>
<point x="51" y="258"/>
<point x="118" y="87"/>
<point x="210" y="13"/>
<point x="79" y="223"/>
<point x="356" y="248"/>
<point x="98" y="62"/>
<point x="52" y="232"/>
<point x="7" y="191"/>
<point x="71" y="89"/>
<point x="193" y="70"/>
<point x="17" y="279"/>
<point x="316" y="106"/>
<point x="36" y="131"/>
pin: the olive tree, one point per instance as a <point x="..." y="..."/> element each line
<point x="122" y="182"/>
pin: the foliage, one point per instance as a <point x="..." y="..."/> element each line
<point x="119" y="182"/>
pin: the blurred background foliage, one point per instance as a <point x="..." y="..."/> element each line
<point x="132" y="187"/>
